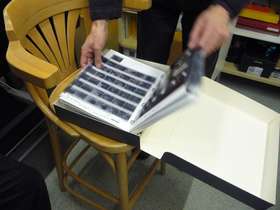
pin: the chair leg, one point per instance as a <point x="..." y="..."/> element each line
<point x="55" y="143"/>
<point x="122" y="173"/>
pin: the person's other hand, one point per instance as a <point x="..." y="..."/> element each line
<point x="210" y="30"/>
<point x="95" y="42"/>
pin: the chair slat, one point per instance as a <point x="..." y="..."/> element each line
<point x="37" y="11"/>
<point x="49" y="34"/>
<point x="86" y="20"/>
<point x="60" y="28"/>
<point x="72" y="20"/>
<point x="42" y="45"/>
<point x="33" y="48"/>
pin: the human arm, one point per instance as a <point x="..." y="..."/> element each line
<point x="100" y="12"/>
<point x="211" y="28"/>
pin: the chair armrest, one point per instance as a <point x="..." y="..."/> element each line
<point x="49" y="114"/>
<point x="137" y="5"/>
<point x="30" y="68"/>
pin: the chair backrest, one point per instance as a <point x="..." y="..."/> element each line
<point x="43" y="37"/>
<point x="53" y="30"/>
<point x="48" y="29"/>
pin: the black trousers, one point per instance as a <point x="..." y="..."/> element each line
<point x="21" y="187"/>
<point x="156" y="28"/>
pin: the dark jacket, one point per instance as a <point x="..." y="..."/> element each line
<point x="110" y="9"/>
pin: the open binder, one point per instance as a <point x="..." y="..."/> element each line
<point x="129" y="95"/>
<point x="222" y="138"/>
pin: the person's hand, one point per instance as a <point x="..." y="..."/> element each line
<point x="94" y="44"/>
<point x="210" y="30"/>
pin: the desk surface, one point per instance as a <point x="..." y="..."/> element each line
<point x="227" y="140"/>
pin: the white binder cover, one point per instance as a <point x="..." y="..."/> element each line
<point x="224" y="139"/>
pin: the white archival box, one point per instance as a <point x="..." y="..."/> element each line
<point x="223" y="138"/>
<point x="224" y="135"/>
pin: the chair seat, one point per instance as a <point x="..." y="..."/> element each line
<point x="99" y="141"/>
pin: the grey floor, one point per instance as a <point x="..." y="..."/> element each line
<point x="175" y="190"/>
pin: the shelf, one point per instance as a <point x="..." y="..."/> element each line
<point x="230" y="68"/>
<point x="257" y="34"/>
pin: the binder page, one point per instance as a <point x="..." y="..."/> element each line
<point x="117" y="92"/>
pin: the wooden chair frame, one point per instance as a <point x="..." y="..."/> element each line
<point x="42" y="52"/>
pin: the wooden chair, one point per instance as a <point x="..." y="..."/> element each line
<point x="42" y="51"/>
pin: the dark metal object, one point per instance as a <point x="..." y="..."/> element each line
<point x="188" y="69"/>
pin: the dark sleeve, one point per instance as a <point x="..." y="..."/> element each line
<point x="233" y="6"/>
<point x="105" y="9"/>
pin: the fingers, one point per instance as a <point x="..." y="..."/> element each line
<point x="90" y="56"/>
<point x="97" y="58"/>
<point x="90" y="61"/>
<point x="209" y="40"/>
<point x="213" y="38"/>
<point x="210" y="30"/>
<point x="196" y="34"/>
<point x="94" y="44"/>
<point x="86" y="56"/>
